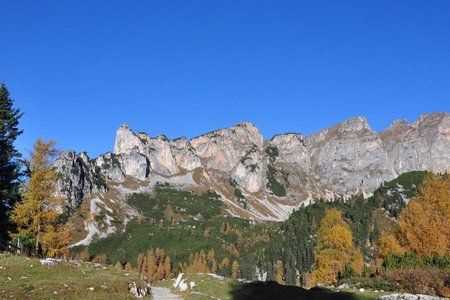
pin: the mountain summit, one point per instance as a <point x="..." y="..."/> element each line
<point x="257" y="179"/>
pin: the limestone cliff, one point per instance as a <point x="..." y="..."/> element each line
<point x="274" y="176"/>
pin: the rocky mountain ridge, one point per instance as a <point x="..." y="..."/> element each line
<point x="258" y="179"/>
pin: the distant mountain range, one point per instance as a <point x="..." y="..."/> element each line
<point x="255" y="178"/>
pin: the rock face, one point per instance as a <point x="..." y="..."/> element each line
<point x="78" y="177"/>
<point x="275" y="175"/>
<point x="349" y="157"/>
<point x="223" y="149"/>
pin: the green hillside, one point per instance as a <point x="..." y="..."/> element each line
<point x="184" y="223"/>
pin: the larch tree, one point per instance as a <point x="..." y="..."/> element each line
<point x="387" y="244"/>
<point x="424" y="225"/>
<point x="335" y="250"/>
<point x="83" y="255"/>
<point x="212" y="261"/>
<point x="167" y="268"/>
<point x="279" y="268"/>
<point x="151" y="266"/>
<point x="118" y="266"/>
<point x="128" y="267"/>
<point x="9" y="161"/>
<point x="234" y="269"/>
<point x="140" y="263"/>
<point x="37" y="215"/>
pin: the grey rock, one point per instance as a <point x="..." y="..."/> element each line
<point x="223" y="149"/>
<point x="342" y="160"/>
<point x="408" y="297"/>
<point x="184" y="154"/>
<point x="110" y="167"/>
<point x="348" y="158"/>
<point x="134" y="164"/>
<point x="77" y="177"/>
<point x="248" y="173"/>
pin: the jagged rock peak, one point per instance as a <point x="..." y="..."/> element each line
<point x="432" y="119"/>
<point x="353" y="124"/>
<point x="287" y="136"/>
<point x="344" y="159"/>
<point x="244" y="124"/>
<point x="126" y="140"/>
<point x="240" y="126"/>
<point x="398" y="124"/>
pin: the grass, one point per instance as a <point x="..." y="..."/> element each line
<point x="367" y="294"/>
<point x="24" y="278"/>
<point x="207" y="287"/>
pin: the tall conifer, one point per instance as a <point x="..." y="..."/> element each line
<point x="9" y="160"/>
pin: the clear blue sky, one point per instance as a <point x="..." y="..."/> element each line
<point x="79" y="69"/>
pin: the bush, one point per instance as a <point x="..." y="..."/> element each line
<point x="405" y="260"/>
<point x="429" y="281"/>
<point x="189" y="205"/>
<point x="411" y="260"/>
<point x="374" y="283"/>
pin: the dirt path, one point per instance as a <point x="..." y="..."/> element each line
<point x="162" y="293"/>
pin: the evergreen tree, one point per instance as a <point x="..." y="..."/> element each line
<point x="9" y="161"/>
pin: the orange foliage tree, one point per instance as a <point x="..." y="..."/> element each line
<point x="387" y="244"/>
<point x="155" y="265"/>
<point x="424" y="225"/>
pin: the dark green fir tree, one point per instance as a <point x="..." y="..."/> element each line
<point x="9" y="161"/>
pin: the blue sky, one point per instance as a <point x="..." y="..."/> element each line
<point x="79" y="69"/>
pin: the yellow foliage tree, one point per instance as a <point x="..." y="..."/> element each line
<point x="155" y="265"/>
<point x="234" y="269"/>
<point x="167" y="268"/>
<point x="140" y="263"/>
<point x="212" y="261"/>
<point x="206" y="234"/>
<point x="225" y="263"/>
<point x="335" y="249"/>
<point x="83" y="255"/>
<point x="280" y="272"/>
<point x="151" y="266"/>
<point x="128" y="267"/>
<point x="388" y="244"/>
<point x="424" y="225"/>
<point x="37" y="216"/>
<point x="119" y="266"/>
<point x="100" y="259"/>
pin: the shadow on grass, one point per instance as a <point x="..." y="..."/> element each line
<point x="272" y="290"/>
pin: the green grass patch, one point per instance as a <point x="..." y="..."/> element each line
<point x="24" y="278"/>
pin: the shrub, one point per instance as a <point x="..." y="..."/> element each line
<point x="374" y="283"/>
<point x="411" y="260"/>
<point x="429" y="281"/>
